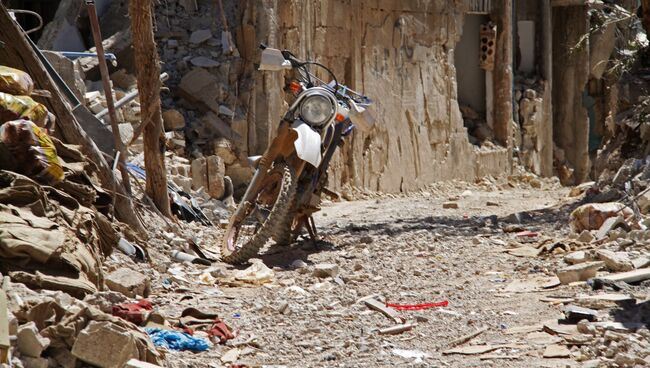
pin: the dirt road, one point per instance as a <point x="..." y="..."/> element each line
<point x="407" y="250"/>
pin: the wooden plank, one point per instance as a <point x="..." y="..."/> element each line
<point x="466" y="338"/>
<point x="482" y="349"/>
<point x="398" y="329"/>
<point x="380" y="307"/>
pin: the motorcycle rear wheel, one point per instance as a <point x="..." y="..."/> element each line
<point x="230" y="252"/>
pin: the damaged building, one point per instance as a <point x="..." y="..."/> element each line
<point x="463" y="89"/>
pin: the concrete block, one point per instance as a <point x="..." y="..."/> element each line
<point x="579" y="272"/>
<point x="326" y="270"/>
<point x="200" y="36"/>
<point x="105" y="345"/>
<point x="173" y="120"/>
<point x="617" y="262"/>
<point x="215" y="170"/>
<point x="199" y="174"/>
<point x="128" y="282"/>
<point x="30" y="342"/>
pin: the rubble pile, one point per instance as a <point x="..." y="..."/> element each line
<point x="479" y="131"/>
<point x="602" y="268"/>
<point x="59" y="237"/>
<point x="57" y="231"/>
<point x="208" y="92"/>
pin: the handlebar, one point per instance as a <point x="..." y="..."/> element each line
<point x="299" y="64"/>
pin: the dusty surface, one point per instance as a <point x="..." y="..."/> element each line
<point x="408" y="250"/>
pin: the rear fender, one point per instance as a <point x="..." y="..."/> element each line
<point x="307" y="144"/>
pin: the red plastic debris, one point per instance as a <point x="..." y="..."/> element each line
<point x="443" y="303"/>
<point x="527" y="234"/>
<point x="133" y="312"/>
<point x="221" y="330"/>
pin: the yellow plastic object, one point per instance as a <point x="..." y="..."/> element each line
<point x="21" y="107"/>
<point x="32" y="147"/>
<point x="15" y="82"/>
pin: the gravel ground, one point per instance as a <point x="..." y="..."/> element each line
<point x="406" y="249"/>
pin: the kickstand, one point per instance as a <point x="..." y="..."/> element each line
<point x="311" y="228"/>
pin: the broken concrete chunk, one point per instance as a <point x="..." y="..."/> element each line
<point x="30" y="342"/>
<point x="579" y="272"/>
<point x="199" y="173"/>
<point x="617" y="262"/>
<point x="557" y="351"/>
<point x="575" y="314"/>
<point x="215" y="176"/>
<point x="202" y="88"/>
<point x="128" y="282"/>
<point x="105" y="345"/>
<point x="641" y="262"/>
<point x="611" y="224"/>
<point x="173" y="120"/>
<point x="592" y="216"/>
<point x="586" y="327"/>
<point x="225" y="149"/>
<point x="231" y="355"/>
<point x="581" y="188"/>
<point x="204" y="62"/>
<point x="30" y="362"/>
<point x="604" y="301"/>
<point x="576" y="257"/>
<point x="585" y="236"/>
<point x="200" y="36"/>
<point x="326" y="270"/>
<point x="224" y="110"/>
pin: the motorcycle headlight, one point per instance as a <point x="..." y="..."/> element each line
<point x="316" y="110"/>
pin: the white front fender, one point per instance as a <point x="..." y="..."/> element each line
<point x="308" y="143"/>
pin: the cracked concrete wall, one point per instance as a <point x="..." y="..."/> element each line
<point x="400" y="53"/>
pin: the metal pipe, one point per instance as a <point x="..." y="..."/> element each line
<point x="73" y="55"/>
<point x="103" y="69"/>
<point x="128" y="98"/>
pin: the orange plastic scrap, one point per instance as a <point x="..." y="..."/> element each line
<point x="32" y="147"/>
<point x="22" y="107"/>
<point x="15" y="82"/>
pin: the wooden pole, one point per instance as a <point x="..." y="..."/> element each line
<point x="148" y="74"/>
<point x="17" y="53"/>
<point x="503" y="73"/>
<point x="108" y="93"/>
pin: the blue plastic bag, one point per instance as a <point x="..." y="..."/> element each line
<point x="176" y="340"/>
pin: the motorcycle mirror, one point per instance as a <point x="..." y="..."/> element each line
<point x="361" y="117"/>
<point x="273" y="60"/>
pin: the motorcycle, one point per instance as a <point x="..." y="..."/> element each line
<point x="291" y="175"/>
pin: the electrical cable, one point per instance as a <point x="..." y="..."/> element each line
<point x="29" y="12"/>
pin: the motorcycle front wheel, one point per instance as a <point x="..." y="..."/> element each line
<point x="246" y="236"/>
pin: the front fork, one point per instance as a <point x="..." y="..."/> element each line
<point x="281" y="146"/>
